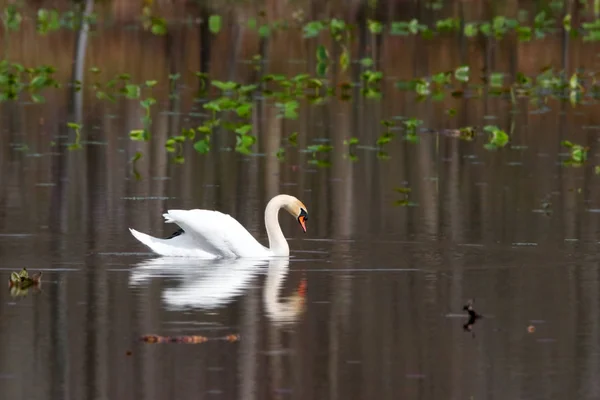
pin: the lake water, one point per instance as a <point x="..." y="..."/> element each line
<point x="369" y="304"/>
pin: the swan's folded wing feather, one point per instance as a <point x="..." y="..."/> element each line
<point x="182" y="245"/>
<point x="217" y="232"/>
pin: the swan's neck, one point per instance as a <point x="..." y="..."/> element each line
<point x="277" y="243"/>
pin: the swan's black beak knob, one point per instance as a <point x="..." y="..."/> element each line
<point x="302" y="218"/>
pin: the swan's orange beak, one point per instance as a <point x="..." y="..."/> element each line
<point x="302" y="221"/>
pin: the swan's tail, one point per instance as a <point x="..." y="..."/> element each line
<point x="178" y="246"/>
<point x="152" y="242"/>
<point x="168" y="218"/>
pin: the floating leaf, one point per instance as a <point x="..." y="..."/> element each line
<point x="312" y="29"/>
<point x="214" y="24"/>
<point x="132" y="91"/>
<point x="264" y="31"/>
<point x="462" y="73"/>
<point x="293" y="139"/>
<point x="202" y="146"/>
<point x="322" y="54"/>
<point x="375" y="26"/>
<point x="498" y="138"/>
<point x="345" y="58"/>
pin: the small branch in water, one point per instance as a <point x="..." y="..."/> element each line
<point x="20" y="282"/>
<point x="191" y="339"/>
<point x="473" y="317"/>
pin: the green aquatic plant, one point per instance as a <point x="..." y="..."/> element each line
<point x="404" y="200"/>
<point x="411" y="125"/>
<point x="76" y="145"/>
<point x="214" y="24"/>
<point x="47" y="21"/>
<point x="404" y="28"/>
<point x="318" y="152"/>
<point x="578" y="154"/>
<point x="20" y="282"/>
<point x="323" y="61"/>
<point x="156" y="24"/>
<point x="370" y="82"/>
<point x="173" y="78"/>
<point x="12" y="18"/>
<point x="144" y="133"/>
<point x="497" y="138"/>
<point x="351" y="152"/>
<point x="136" y="157"/>
<point x="313" y="29"/>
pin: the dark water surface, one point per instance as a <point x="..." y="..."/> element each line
<point x="369" y="305"/>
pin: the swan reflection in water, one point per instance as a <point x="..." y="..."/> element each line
<point x="210" y="284"/>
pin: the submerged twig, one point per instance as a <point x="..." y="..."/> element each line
<point x="188" y="339"/>
<point x="20" y="282"/>
<point x="473" y="317"/>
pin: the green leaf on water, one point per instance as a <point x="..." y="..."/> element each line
<point x="132" y="91"/>
<point x="159" y="26"/>
<point x="322" y="69"/>
<point x="280" y="154"/>
<point x="375" y="27"/>
<point x="566" y="143"/>
<point x="313" y="28"/>
<point x="496" y="79"/>
<point x="37" y="98"/>
<point x="244" y="110"/>
<point x="214" y="24"/>
<point x="471" y="29"/>
<point x="498" y="137"/>
<point x="293" y="139"/>
<point x="202" y="146"/>
<point x="138" y="135"/>
<point x="462" y="73"/>
<point x="244" y="129"/>
<point x="322" y="54"/>
<point x="225" y="86"/>
<point x="244" y="142"/>
<point x="345" y="58"/>
<point x="264" y="31"/>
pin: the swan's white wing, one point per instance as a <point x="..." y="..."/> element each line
<point x="217" y="233"/>
<point x="182" y="245"/>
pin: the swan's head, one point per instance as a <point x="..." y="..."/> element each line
<point x="298" y="211"/>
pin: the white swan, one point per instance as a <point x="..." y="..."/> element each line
<point x="212" y="234"/>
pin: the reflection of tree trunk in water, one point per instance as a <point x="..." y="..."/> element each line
<point x="76" y="165"/>
<point x="275" y="360"/>
<point x="7" y="156"/>
<point x="272" y="141"/>
<point x="270" y="129"/>
<point x="205" y="40"/>
<point x="342" y="224"/>
<point x="175" y="44"/>
<point x="222" y="137"/>
<point x="76" y="106"/>
<point x="588" y="287"/>
<point x="248" y="355"/>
